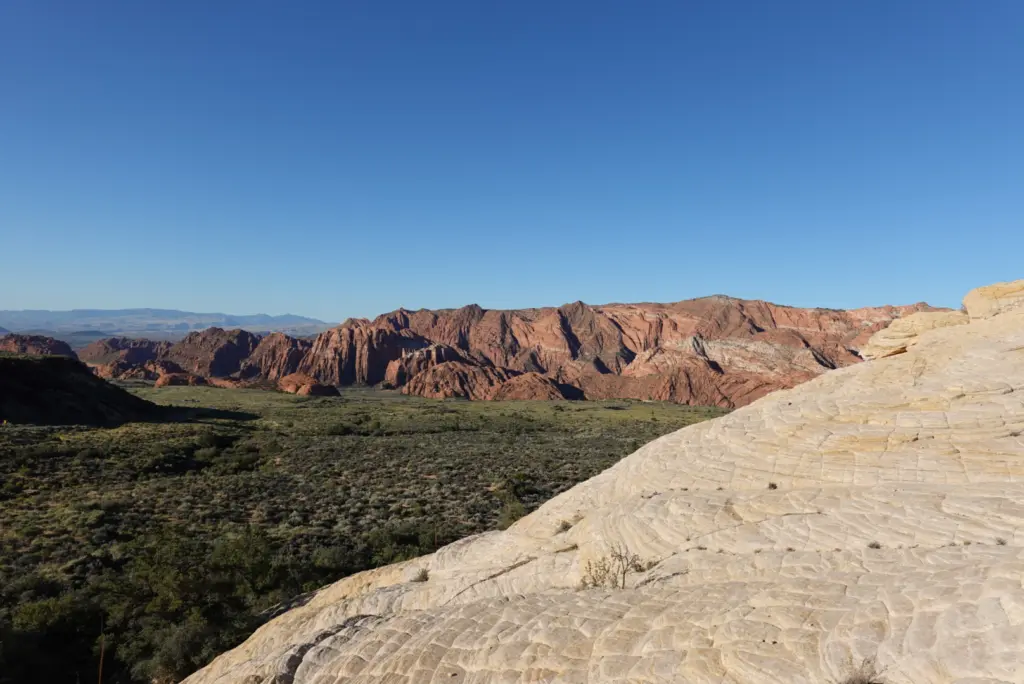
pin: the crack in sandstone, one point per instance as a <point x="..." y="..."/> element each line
<point x="503" y="571"/>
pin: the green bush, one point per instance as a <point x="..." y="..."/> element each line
<point x="339" y="429"/>
<point x="512" y="510"/>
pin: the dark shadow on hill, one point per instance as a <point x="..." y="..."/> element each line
<point x="57" y="390"/>
<point x="570" y="392"/>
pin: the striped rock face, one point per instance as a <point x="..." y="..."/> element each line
<point x="875" y="512"/>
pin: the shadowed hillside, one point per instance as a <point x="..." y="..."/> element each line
<point x="57" y="390"/>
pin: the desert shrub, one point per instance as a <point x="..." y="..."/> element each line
<point x="217" y="440"/>
<point x="206" y="454"/>
<point x="341" y="429"/>
<point x="393" y="543"/>
<point x="172" y="462"/>
<point x="867" y="672"/>
<point x="598" y="573"/>
<point x="511" y="511"/>
<point x="233" y="463"/>
<point x="612" y="570"/>
<point x="331" y="557"/>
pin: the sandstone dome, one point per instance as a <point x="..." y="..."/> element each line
<point x="875" y="512"/>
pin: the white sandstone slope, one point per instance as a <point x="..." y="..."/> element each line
<point x="874" y="512"/>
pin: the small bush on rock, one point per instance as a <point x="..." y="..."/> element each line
<point x="866" y="673"/>
<point x="612" y="570"/>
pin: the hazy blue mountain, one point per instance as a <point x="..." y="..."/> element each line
<point x="152" y="322"/>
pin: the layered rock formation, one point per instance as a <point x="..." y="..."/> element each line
<point x="303" y="385"/>
<point x="127" y="350"/>
<point x="196" y="359"/>
<point x="214" y="352"/>
<point x="904" y="332"/>
<point x="146" y="370"/>
<point x="456" y="379"/>
<point x="275" y="357"/>
<point x="715" y="350"/>
<point x="180" y="379"/>
<point x="532" y="386"/>
<point x="412" y="363"/>
<point x="357" y="352"/>
<point x="35" y="345"/>
<point x="873" y="512"/>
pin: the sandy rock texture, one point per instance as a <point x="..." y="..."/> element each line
<point x="903" y="332"/>
<point x="988" y="301"/>
<point x="876" y="511"/>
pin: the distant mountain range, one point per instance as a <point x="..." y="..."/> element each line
<point x="80" y="326"/>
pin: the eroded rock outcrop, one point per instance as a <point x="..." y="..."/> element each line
<point x="530" y="387"/>
<point x="356" y="352"/>
<point x="277" y="355"/>
<point x="304" y="385"/>
<point x="456" y="379"/>
<point x="126" y="350"/>
<point x="903" y="332"/>
<point x="207" y="354"/>
<point x="988" y="301"/>
<point x="213" y="352"/>
<point x="126" y="370"/>
<point x="180" y="380"/>
<point x="871" y="512"/>
<point x="35" y="345"/>
<point x="413" y="362"/>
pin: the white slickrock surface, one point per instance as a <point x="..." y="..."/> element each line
<point x="921" y="452"/>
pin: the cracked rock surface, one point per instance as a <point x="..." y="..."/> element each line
<point x="874" y="512"/>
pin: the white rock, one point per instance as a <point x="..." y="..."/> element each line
<point x="902" y="333"/>
<point x="985" y="302"/>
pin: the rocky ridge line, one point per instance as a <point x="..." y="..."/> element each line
<point x="711" y="351"/>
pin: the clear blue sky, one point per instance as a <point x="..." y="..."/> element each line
<point x="346" y="158"/>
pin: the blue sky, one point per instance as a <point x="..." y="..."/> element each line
<point x="346" y="158"/>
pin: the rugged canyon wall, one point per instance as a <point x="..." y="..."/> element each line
<point x="712" y="351"/>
